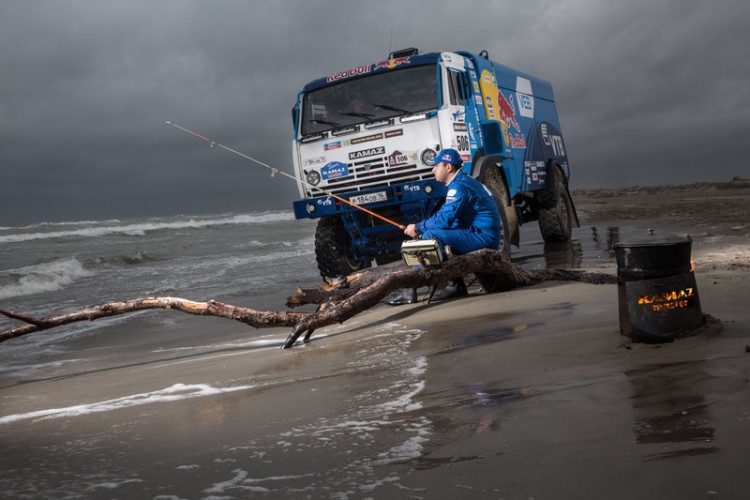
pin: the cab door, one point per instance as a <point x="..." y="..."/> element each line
<point x="460" y="129"/>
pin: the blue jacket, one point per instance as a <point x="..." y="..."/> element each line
<point x="468" y="205"/>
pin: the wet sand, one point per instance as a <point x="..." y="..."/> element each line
<point x="531" y="393"/>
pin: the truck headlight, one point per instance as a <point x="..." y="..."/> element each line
<point x="428" y="156"/>
<point x="313" y="178"/>
<point x="310" y="208"/>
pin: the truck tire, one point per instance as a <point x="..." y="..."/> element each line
<point x="333" y="249"/>
<point x="491" y="178"/>
<point x="555" y="208"/>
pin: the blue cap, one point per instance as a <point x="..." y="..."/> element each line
<point x="448" y="156"/>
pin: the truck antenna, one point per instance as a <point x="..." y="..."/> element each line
<point x="275" y="171"/>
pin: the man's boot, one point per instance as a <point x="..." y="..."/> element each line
<point x="401" y="297"/>
<point x="454" y="288"/>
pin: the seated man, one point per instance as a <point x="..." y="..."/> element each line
<point x="467" y="221"/>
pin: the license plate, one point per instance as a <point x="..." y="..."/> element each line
<point x="363" y="199"/>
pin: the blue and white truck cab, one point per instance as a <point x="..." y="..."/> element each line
<point x="367" y="134"/>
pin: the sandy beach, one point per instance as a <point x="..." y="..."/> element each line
<point x="532" y="393"/>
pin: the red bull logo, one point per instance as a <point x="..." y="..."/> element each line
<point x="507" y="111"/>
<point x="363" y="70"/>
<point x="348" y="73"/>
<point x="392" y="63"/>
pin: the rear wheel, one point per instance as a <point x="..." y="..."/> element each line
<point x="555" y="208"/>
<point x="333" y="249"/>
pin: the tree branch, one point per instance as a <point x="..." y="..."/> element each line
<point x="338" y="300"/>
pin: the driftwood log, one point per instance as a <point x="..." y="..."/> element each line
<point x="337" y="300"/>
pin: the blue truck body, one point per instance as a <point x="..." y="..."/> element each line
<point x="367" y="133"/>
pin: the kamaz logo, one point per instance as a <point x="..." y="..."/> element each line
<point x="356" y="155"/>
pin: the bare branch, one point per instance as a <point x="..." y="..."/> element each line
<point x="338" y="300"/>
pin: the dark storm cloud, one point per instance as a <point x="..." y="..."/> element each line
<point x="648" y="92"/>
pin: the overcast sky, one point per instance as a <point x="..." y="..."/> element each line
<point x="648" y="91"/>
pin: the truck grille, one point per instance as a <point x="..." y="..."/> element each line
<point x="371" y="174"/>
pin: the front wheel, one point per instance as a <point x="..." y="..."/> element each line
<point x="333" y="249"/>
<point x="555" y="208"/>
<point x="491" y="178"/>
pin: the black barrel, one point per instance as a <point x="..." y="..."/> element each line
<point x="657" y="292"/>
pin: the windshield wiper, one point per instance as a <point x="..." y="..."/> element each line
<point x="326" y="122"/>
<point x="364" y="116"/>
<point x="390" y="108"/>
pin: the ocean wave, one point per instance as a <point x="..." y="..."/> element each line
<point x="44" y="277"/>
<point x="133" y="258"/>
<point x="72" y="223"/>
<point x="173" y="393"/>
<point x="141" y="228"/>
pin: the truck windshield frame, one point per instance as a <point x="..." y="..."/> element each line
<point x="372" y="98"/>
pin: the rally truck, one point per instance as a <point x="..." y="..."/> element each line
<point x="367" y="134"/>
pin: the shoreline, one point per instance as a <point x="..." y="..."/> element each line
<point x="527" y="393"/>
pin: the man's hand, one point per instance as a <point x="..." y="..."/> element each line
<point x="411" y="230"/>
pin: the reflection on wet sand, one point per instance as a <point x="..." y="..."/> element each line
<point x="587" y="249"/>
<point x="568" y="255"/>
<point x="672" y="417"/>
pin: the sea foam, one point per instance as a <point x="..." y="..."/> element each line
<point x="93" y="229"/>
<point x="175" y="392"/>
<point x="44" y="277"/>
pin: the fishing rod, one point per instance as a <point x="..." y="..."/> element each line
<point x="275" y="171"/>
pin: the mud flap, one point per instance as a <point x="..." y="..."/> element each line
<point x="514" y="228"/>
<point x="574" y="219"/>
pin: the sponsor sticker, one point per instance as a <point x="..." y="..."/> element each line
<point x="348" y="73"/>
<point x="518" y="141"/>
<point x="364" y="153"/>
<point x="459" y="126"/>
<point x="394" y="133"/>
<point x="397" y="159"/>
<point x="367" y="138"/>
<point x="392" y="63"/>
<point x="525" y="97"/>
<point x="334" y="170"/>
<point x="332" y="145"/>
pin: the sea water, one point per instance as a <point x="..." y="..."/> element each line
<point x="254" y="260"/>
<point x="340" y="423"/>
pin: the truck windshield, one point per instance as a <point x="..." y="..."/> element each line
<point x="369" y="99"/>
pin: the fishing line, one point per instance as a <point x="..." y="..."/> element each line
<point x="275" y="171"/>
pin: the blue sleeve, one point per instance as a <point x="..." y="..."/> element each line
<point x="455" y="204"/>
